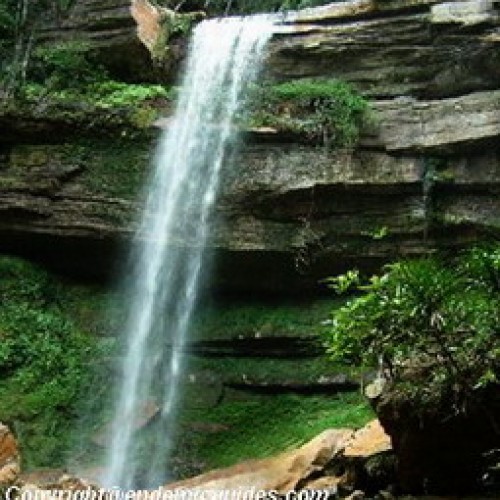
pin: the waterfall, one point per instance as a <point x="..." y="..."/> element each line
<point x="170" y="243"/>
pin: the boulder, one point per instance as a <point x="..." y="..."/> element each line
<point x="334" y="460"/>
<point x="10" y="460"/>
<point x="368" y="460"/>
<point x="442" y="448"/>
<point x="283" y="473"/>
<point x="368" y="441"/>
<point x="44" y="489"/>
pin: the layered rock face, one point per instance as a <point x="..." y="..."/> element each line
<point x="123" y="35"/>
<point x="425" y="175"/>
<point x="109" y="28"/>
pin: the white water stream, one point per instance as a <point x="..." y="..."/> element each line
<point x="170" y="245"/>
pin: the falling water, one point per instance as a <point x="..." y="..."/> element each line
<point x="170" y="245"/>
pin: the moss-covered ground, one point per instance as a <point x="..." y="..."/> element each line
<point x="264" y="426"/>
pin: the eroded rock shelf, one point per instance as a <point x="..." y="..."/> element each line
<point x="425" y="175"/>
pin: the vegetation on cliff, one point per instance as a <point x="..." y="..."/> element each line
<point x="330" y="112"/>
<point x="65" y="79"/>
<point x="436" y="317"/>
<point x="432" y="325"/>
<point x="46" y="356"/>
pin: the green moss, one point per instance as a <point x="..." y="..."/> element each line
<point x="58" y="354"/>
<point x="269" y="425"/>
<point x="328" y="111"/>
<point x="134" y="105"/>
<point x="112" y="168"/>
<point x="232" y="319"/>
<point x="44" y="361"/>
<point x="268" y="370"/>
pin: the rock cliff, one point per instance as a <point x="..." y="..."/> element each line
<point x="425" y="175"/>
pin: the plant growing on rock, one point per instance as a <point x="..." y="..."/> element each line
<point x="435" y="325"/>
<point x="44" y="361"/>
<point x="64" y="65"/>
<point x="327" y="111"/>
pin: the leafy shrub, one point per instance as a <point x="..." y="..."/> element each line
<point x="7" y="18"/>
<point x="135" y="105"/>
<point x="105" y="94"/>
<point x="65" y="65"/>
<point x="44" y="361"/>
<point x="111" y="93"/>
<point x="440" y="319"/>
<point x="327" y="110"/>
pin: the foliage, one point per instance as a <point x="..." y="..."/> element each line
<point x="64" y="65"/>
<point x="138" y="104"/>
<point x="434" y="317"/>
<point x="344" y="282"/>
<point x="112" y="93"/>
<point x="44" y="359"/>
<point x="9" y="13"/>
<point x="19" y="21"/>
<point x="105" y="94"/>
<point x="330" y="111"/>
<point x="7" y="18"/>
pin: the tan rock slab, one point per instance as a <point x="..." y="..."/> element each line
<point x="281" y="473"/>
<point x="10" y="462"/>
<point x="368" y="441"/>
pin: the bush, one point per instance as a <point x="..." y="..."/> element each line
<point x="111" y="93"/>
<point x="435" y="318"/>
<point x="7" y="18"/>
<point x="330" y="111"/>
<point x="44" y="361"/>
<point x="64" y="65"/>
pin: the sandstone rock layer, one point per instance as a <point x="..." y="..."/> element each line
<point x="10" y="461"/>
<point x="425" y="175"/>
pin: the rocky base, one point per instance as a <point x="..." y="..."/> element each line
<point x="10" y="461"/>
<point x="443" y="446"/>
